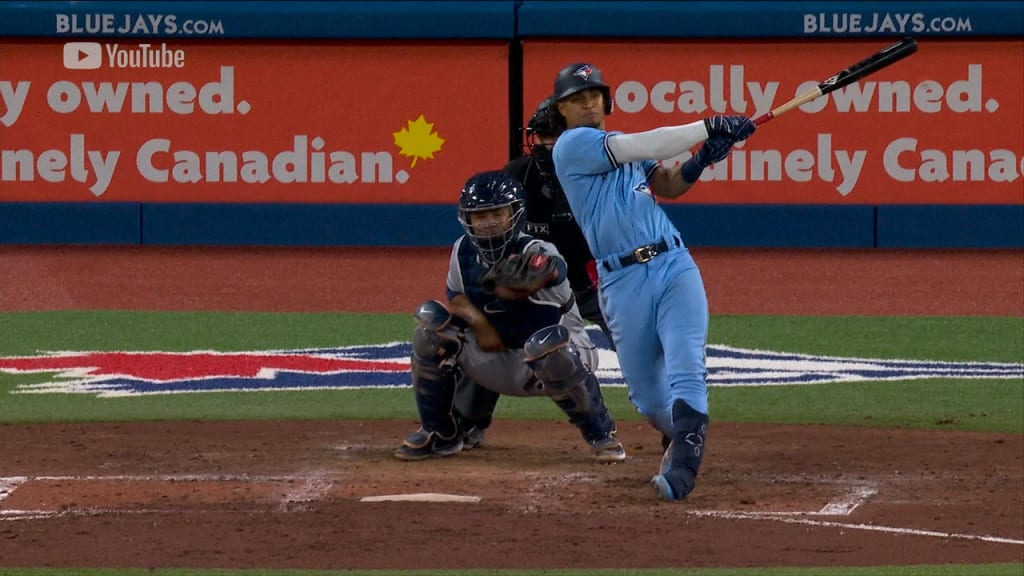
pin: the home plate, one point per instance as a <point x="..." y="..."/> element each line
<point x="422" y="497"/>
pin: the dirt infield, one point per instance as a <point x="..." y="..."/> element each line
<point x="291" y="494"/>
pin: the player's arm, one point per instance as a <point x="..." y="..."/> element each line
<point x="660" y="144"/>
<point x="486" y="334"/>
<point x="667" y="182"/>
<point x="718" y="134"/>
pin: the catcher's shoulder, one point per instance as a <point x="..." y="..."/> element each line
<point x="528" y="243"/>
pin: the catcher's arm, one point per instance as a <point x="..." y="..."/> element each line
<point x="486" y="335"/>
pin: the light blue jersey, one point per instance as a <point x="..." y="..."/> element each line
<point x="656" y="307"/>
<point x="613" y="203"/>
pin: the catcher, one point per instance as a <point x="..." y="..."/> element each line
<point x="511" y="327"/>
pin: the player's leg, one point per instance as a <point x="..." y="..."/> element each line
<point x="629" y="306"/>
<point x="474" y="410"/>
<point x="683" y="326"/>
<point x="557" y="362"/>
<point x="434" y="348"/>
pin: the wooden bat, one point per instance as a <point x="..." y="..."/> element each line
<point x="881" y="59"/>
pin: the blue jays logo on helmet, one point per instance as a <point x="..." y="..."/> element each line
<point x="581" y="76"/>
<point x="583" y="72"/>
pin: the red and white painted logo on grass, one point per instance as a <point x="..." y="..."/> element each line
<point x="111" y="374"/>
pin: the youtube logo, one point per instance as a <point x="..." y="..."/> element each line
<point x="83" y="55"/>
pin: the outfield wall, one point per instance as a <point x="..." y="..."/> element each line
<point x="355" y="123"/>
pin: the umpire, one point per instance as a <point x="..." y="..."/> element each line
<point x="548" y="216"/>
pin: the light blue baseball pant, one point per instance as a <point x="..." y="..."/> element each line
<point x="658" y="316"/>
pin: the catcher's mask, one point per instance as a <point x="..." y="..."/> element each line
<point x="579" y="77"/>
<point x="545" y="124"/>
<point x="491" y="212"/>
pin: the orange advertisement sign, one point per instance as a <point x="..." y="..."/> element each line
<point x="945" y="126"/>
<point x="249" y="122"/>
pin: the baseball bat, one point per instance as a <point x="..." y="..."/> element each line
<point x="881" y="59"/>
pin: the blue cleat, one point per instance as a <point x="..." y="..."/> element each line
<point x="664" y="489"/>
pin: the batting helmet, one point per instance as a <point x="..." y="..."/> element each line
<point x="578" y="77"/>
<point x="488" y="191"/>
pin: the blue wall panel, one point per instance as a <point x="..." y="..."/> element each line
<point x="775" y="226"/>
<point x="951" y="226"/>
<point x="765" y="19"/>
<point x="69" y="223"/>
<point x="247" y="19"/>
<point x="299" y="225"/>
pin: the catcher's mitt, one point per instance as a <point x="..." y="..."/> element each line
<point x="520" y="275"/>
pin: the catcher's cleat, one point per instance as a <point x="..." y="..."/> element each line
<point x="472" y="438"/>
<point x="421" y="445"/>
<point x="608" y="450"/>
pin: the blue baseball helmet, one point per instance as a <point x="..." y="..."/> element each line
<point x="578" y="77"/>
<point x="491" y="190"/>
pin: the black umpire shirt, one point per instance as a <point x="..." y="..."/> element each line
<point x="548" y="217"/>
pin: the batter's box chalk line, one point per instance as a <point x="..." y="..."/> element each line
<point x="9" y="483"/>
<point x="844" y="505"/>
<point x="314" y="487"/>
<point x="777" y="517"/>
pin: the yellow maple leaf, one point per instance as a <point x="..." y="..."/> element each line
<point x="418" y="140"/>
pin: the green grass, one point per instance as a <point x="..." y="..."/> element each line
<point x="31" y="332"/>
<point x="944" y="570"/>
<point x="940" y="338"/>
<point x="990" y="406"/>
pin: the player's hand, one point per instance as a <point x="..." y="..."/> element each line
<point x="715" y="149"/>
<point x="488" y="338"/>
<point x="735" y="127"/>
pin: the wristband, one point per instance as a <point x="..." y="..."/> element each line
<point x="691" y="171"/>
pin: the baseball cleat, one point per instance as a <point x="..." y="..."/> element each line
<point x="472" y="438"/>
<point x="421" y="445"/>
<point x="666" y="459"/>
<point x="608" y="450"/>
<point x="664" y="489"/>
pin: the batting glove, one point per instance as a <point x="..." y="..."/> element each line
<point x="735" y="127"/>
<point x="715" y="149"/>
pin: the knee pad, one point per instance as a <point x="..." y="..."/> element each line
<point x="554" y="359"/>
<point x="434" y="343"/>
<point x="432" y="316"/>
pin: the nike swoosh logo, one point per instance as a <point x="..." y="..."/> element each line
<point x="545" y="338"/>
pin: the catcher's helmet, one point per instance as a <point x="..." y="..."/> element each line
<point x="545" y="121"/>
<point x="487" y="191"/>
<point x="578" y="77"/>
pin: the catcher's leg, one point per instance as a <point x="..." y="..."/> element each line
<point x="434" y="381"/>
<point x="556" y="362"/>
<point x="681" y="461"/>
<point x="474" y="409"/>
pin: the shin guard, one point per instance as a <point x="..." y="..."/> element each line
<point x="682" y="460"/>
